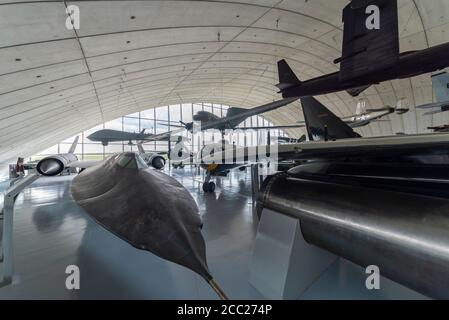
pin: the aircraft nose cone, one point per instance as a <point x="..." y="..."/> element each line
<point x="50" y="167"/>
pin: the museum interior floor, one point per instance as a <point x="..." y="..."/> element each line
<point x="52" y="232"/>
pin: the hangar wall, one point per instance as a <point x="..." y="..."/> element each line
<point x="129" y="56"/>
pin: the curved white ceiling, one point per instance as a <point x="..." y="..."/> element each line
<point x="134" y="55"/>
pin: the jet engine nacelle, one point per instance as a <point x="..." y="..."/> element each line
<point x="158" y="162"/>
<point x="155" y="160"/>
<point x="55" y="164"/>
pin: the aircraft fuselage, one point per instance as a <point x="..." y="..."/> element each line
<point x="410" y="64"/>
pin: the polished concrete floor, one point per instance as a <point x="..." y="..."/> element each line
<point x="52" y="232"/>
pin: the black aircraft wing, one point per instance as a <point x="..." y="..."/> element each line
<point x="249" y="113"/>
<point x="424" y="147"/>
<point x="287" y="126"/>
<point x="322" y="124"/>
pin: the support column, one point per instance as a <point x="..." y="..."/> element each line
<point x="6" y="247"/>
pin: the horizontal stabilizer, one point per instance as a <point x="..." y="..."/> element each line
<point x="370" y="38"/>
<point x="287" y="78"/>
<point x="356" y="91"/>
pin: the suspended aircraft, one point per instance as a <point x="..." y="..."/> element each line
<point x="233" y="118"/>
<point x="365" y="116"/>
<point x="109" y="135"/>
<point x="370" y="55"/>
<point x="443" y="128"/>
<point x="440" y="84"/>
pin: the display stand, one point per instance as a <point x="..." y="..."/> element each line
<point x="284" y="265"/>
<point x="6" y="245"/>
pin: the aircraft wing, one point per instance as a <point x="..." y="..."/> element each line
<point x="433" y="105"/>
<point x="83" y="164"/>
<point x="251" y="112"/>
<point x="293" y="126"/>
<point x="164" y="136"/>
<point x="330" y="150"/>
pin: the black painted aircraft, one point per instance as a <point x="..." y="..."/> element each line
<point x="370" y="56"/>
<point x="234" y="117"/>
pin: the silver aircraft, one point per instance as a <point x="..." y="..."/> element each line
<point x="55" y="164"/>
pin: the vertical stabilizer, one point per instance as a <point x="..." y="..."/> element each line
<point x="287" y="78"/>
<point x="74" y="144"/>
<point x="322" y="124"/>
<point x="370" y="38"/>
<point x="140" y="148"/>
<point x="440" y="84"/>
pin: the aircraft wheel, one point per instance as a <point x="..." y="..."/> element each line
<point x="211" y="186"/>
<point x="206" y="187"/>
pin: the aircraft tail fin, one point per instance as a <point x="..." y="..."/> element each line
<point x="140" y="148"/>
<point x="143" y="131"/>
<point x="322" y="124"/>
<point x="440" y="83"/>
<point x="370" y="38"/>
<point x="287" y="78"/>
<point x="74" y="144"/>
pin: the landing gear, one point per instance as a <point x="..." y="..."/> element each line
<point x="208" y="186"/>
<point x="178" y="166"/>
